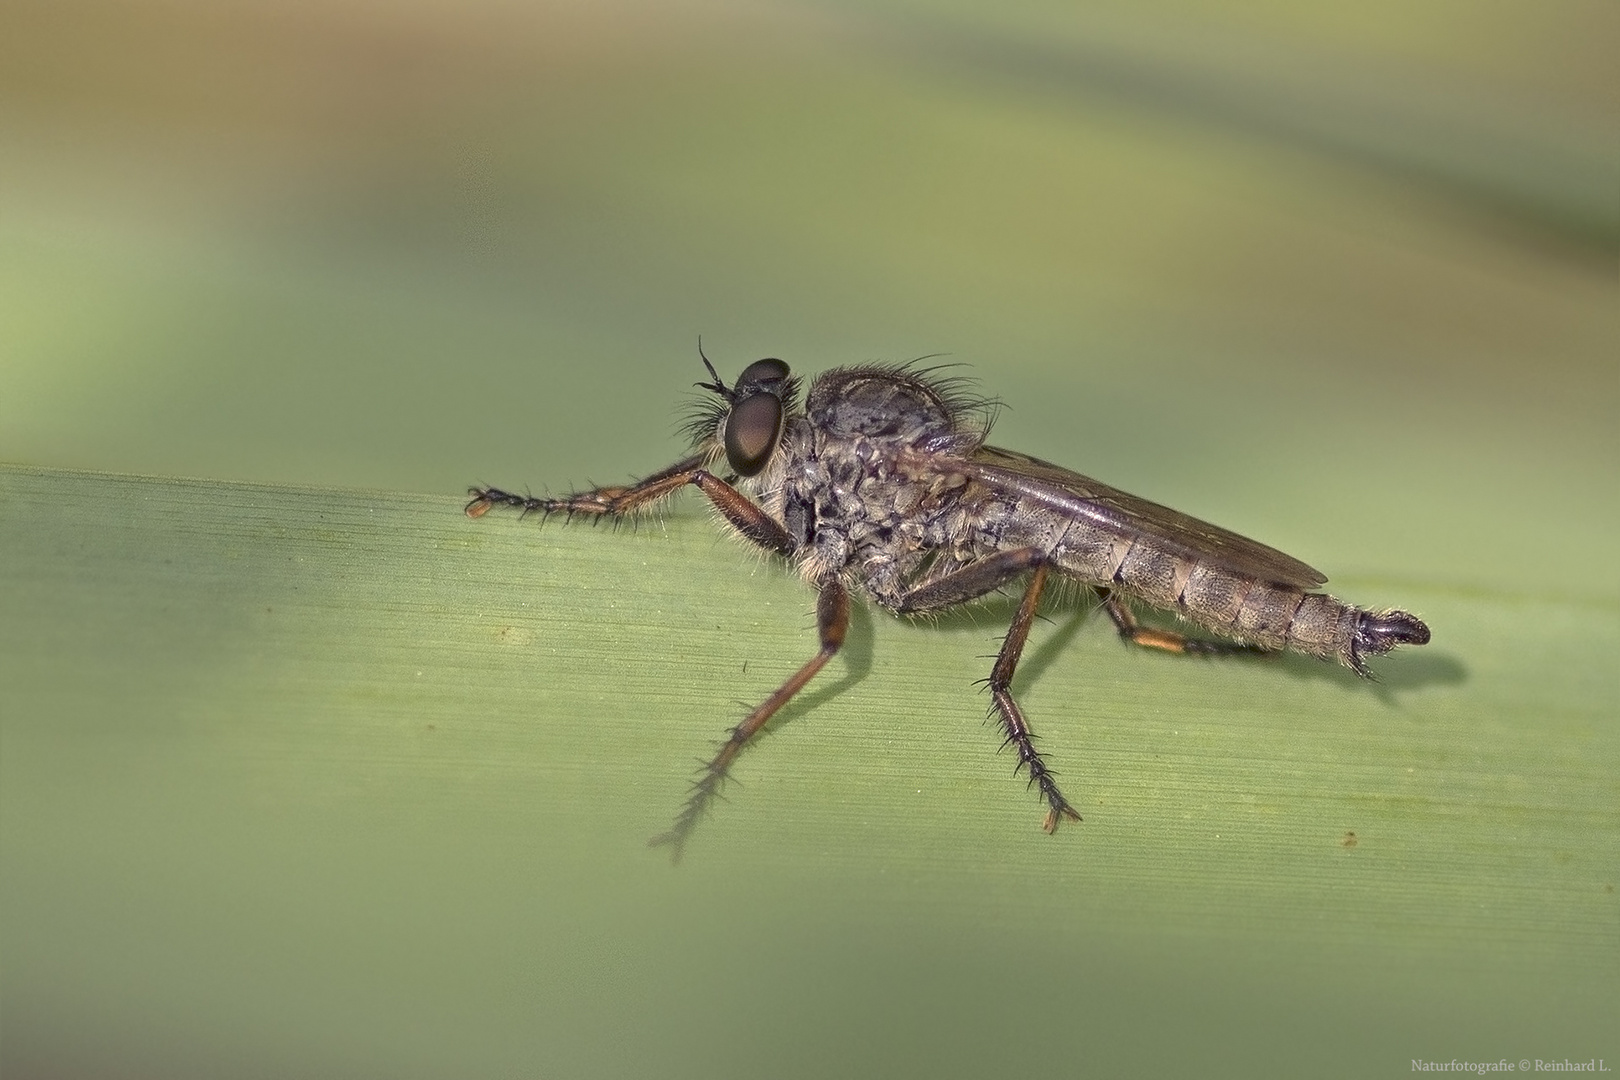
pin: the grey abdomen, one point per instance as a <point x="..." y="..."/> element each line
<point x="1224" y="601"/>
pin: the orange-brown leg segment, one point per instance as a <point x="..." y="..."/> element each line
<point x="1012" y="717"/>
<point x="1133" y="631"/>
<point x="832" y="622"/>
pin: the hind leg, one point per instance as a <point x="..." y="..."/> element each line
<point x="1149" y="637"/>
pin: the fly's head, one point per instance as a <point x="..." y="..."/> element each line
<point x="744" y="426"/>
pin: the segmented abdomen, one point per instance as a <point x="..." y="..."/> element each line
<point x="1230" y="603"/>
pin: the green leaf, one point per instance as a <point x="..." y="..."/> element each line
<point x="303" y="776"/>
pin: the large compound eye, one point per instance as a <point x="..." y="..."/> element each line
<point x="753" y="428"/>
<point x="761" y="371"/>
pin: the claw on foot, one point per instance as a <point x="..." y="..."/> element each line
<point x="1056" y="815"/>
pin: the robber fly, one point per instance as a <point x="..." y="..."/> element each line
<point x="882" y="481"/>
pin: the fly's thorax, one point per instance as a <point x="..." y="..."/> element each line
<point x="879" y="403"/>
<point x="872" y="507"/>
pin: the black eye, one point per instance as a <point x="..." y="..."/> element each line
<point x="761" y="371"/>
<point x="752" y="429"/>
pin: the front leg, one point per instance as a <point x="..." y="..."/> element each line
<point x="598" y="502"/>
<point x="832" y="609"/>
<point x="748" y="519"/>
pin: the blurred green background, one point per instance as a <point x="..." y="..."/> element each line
<point x="305" y="781"/>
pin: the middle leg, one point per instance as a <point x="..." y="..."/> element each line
<point x="975" y="580"/>
<point x="1012" y="717"/>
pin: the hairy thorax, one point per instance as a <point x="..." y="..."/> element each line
<point x="859" y="488"/>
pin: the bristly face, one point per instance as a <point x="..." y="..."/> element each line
<point x="747" y="420"/>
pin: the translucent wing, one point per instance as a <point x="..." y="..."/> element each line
<point x="1073" y="495"/>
